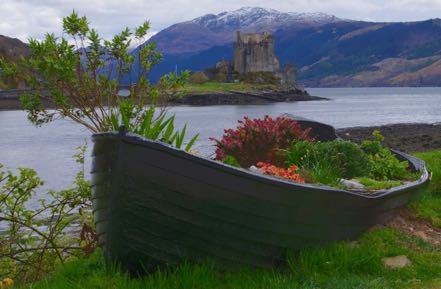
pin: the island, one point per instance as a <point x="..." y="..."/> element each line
<point x="253" y="77"/>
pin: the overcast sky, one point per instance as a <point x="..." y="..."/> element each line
<point x="33" y="18"/>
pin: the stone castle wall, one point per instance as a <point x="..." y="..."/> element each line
<point x="255" y="52"/>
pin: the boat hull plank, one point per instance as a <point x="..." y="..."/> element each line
<point x="155" y="205"/>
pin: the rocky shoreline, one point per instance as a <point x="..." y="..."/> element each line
<point x="212" y="98"/>
<point x="243" y="98"/>
<point x="412" y="137"/>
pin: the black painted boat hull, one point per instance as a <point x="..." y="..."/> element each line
<point x="156" y="205"/>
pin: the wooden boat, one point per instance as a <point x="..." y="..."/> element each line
<point x="155" y="205"/>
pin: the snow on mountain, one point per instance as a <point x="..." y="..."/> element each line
<point x="218" y="30"/>
<point x="256" y="17"/>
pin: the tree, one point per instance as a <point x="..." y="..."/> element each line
<point x="79" y="75"/>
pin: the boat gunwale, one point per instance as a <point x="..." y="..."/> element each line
<point x="136" y="139"/>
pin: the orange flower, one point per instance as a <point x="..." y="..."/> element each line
<point x="7" y="283"/>
<point x="289" y="173"/>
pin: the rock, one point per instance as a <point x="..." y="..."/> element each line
<point x="354" y="244"/>
<point x="195" y="152"/>
<point x="407" y="137"/>
<point x="352" y="184"/>
<point x="254" y="169"/>
<point x="396" y="262"/>
<point x="422" y="235"/>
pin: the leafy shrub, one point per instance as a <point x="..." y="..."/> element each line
<point x="261" y="77"/>
<point x="385" y="166"/>
<point x="328" y="162"/>
<point x="260" y="140"/>
<point x="37" y="239"/>
<point x="220" y="76"/>
<point x="198" y="77"/>
<point x="315" y="165"/>
<point x="8" y="74"/>
<point x="302" y="153"/>
<point x="346" y="156"/>
<point x="232" y="161"/>
<point x="383" y="163"/>
<point x="149" y="126"/>
<point x="343" y="159"/>
<point x="373" y="147"/>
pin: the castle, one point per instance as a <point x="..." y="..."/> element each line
<point x="254" y="52"/>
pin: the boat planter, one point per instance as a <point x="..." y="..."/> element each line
<point x="157" y="205"/>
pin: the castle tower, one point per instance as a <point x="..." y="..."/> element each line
<point x="254" y="52"/>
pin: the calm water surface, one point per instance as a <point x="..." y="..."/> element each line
<point x="48" y="149"/>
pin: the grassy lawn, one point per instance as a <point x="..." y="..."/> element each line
<point x="340" y="265"/>
<point x="222" y="87"/>
<point x="429" y="205"/>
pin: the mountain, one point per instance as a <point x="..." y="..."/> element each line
<point x="365" y="54"/>
<point x="256" y="18"/>
<point x="327" y="50"/>
<point x="216" y="30"/>
<point x="12" y="48"/>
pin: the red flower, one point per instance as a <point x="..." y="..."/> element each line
<point x="260" y="140"/>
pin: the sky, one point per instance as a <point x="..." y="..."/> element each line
<point x="26" y="19"/>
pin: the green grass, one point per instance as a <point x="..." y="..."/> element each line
<point x="371" y="184"/>
<point x="428" y="206"/>
<point x="340" y="265"/>
<point x="223" y="87"/>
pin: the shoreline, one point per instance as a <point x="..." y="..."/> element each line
<point x="245" y="98"/>
<point x="206" y="99"/>
<point x="15" y="104"/>
<point x="405" y="137"/>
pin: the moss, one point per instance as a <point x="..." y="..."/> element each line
<point x="371" y="184"/>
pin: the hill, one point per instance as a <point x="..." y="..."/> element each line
<point x="12" y="49"/>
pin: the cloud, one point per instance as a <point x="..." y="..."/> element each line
<point x="34" y="18"/>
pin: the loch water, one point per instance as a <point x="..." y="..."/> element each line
<point x="49" y="149"/>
